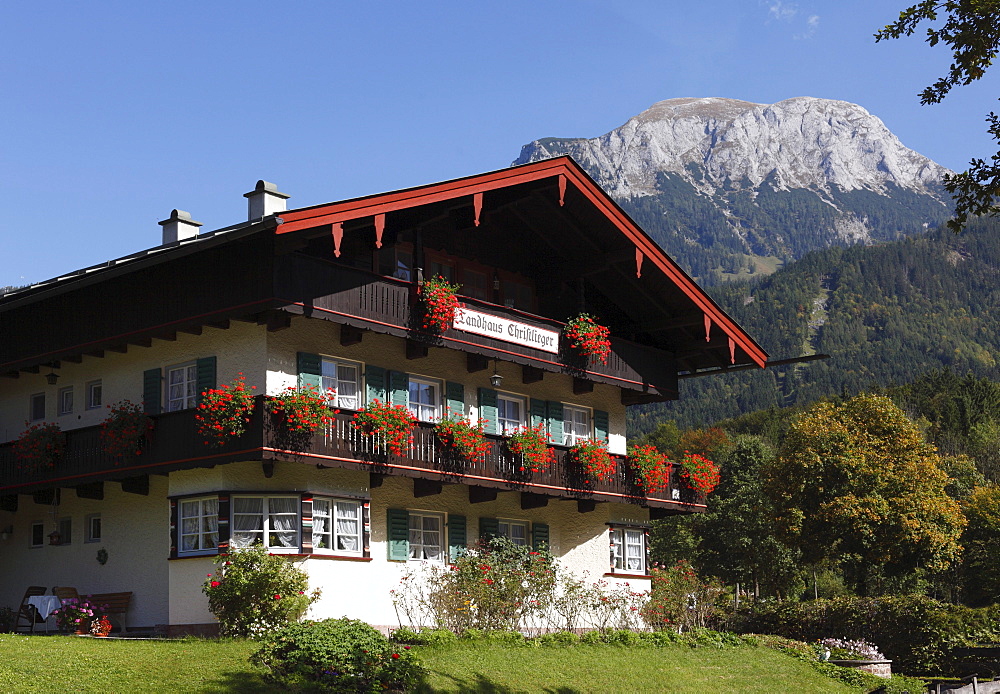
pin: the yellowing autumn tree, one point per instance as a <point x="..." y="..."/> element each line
<point x="857" y="485"/>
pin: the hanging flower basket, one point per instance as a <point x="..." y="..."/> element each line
<point x="651" y="467"/>
<point x="125" y="430"/>
<point x="591" y="458"/>
<point x="458" y="434"/>
<point x="302" y="410"/>
<point x="532" y="444"/>
<point x="224" y="412"/>
<point x="700" y="473"/>
<point x="586" y="337"/>
<point x="39" y="446"/>
<point x="391" y="423"/>
<point x="438" y="302"/>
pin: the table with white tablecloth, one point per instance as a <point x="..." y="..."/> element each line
<point x="46" y="605"/>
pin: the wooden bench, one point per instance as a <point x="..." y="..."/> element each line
<point x="112" y="604"/>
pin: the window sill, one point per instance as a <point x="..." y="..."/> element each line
<point x="617" y="574"/>
<point x="337" y="557"/>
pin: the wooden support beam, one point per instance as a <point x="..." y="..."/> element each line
<point x="74" y="358"/>
<point x="142" y="341"/>
<point x="582" y="385"/>
<point x="277" y="320"/>
<point x="190" y="330"/>
<point x="375" y="480"/>
<point x="422" y="487"/>
<point x="46" y="497"/>
<point x="99" y="353"/>
<point x="531" y="374"/>
<point x="267" y="467"/>
<point x="220" y="324"/>
<point x="120" y="349"/>
<point x="530" y="500"/>
<point x="91" y="490"/>
<point x="349" y="335"/>
<point x="478" y="495"/>
<point x="168" y="337"/>
<point x="416" y="350"/>
<point x="658" y="512"/>
<point x="30" y="369"/>
<point x="136" y="485"/>
<point x="476" y="362"/>
<point x="8" y="502"/>
<point x="13" y="374"/>
<point x="585" y="505"/>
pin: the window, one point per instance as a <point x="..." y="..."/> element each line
<point x="344" y="379"/>
<point x="515" y="531"/>
<point x="475" y="285"/>
<point x="576" y="424"/>
<point x="426" y="541"/>
<point x="66" y="400"/>
<point x="182" y="387"/>
<point x="269" y="520"/>
<point x="396" y="262"/>
<point x="65" y="526"/>
<point x="198" y="525"/>
<point x="424" y="399"/>
<point x="94" y="398"/>
<point x="436" y="268"/>
<point x="36" y="407"/>
<point x="37" y="534"/>
<point x="510" y="413"/>
<point x="93" y="528"/>
<point x="337" y="526"/>
<point x="517" y="295"/>
<point x="628" y="550"/>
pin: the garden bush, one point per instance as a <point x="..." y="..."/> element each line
<point x="336" y="655"/>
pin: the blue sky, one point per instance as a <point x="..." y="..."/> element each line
<point x="114" y="113"/>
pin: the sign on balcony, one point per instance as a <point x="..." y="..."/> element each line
<point x="506" y="330"/>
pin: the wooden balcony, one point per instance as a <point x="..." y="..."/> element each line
<point x="174" y="445"/>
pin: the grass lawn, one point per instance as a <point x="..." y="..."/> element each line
<point x="68" y="664"/>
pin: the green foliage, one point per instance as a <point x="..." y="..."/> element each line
<point x="339" y="655"/>
<point x="982" y="546"/>
<point x="679" y="599"/>
<point x="253" y="592"/>
<point x="8" y="617"/>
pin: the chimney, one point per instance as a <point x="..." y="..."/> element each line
<point x="178" y="227"/>
<point x="264" y="200"/>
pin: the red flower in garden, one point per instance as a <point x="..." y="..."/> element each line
<point x="215" y="584"/>
<point x="395" y="656"/>
<point x="277" y="597"/>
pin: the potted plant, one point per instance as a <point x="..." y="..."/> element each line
<point x="531" y="443"/>
<point x="591" y="458"/>
<point x="457" y="433"/>
<point x="700" y="473"/>
<point x="39" y="446"/>
<point x="302" y="410"/>
<point x="391" y="423"/>
<point x="100" y="627"/>
<point x="224" y="412"/>
<point x="439" y="302"/>
<point x="651" y="467"/>
<point x="585" y="336"/>
<point x="125" y="429"/>
<point x="75" y="615"/>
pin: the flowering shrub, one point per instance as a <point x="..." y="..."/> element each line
<point x="392" y="423"/>
<point x="679" y="599"/>
<point x="39" y="446"/>
<point x="124" y="430"/>
<point x="651" y="466"/>
<point x="253" y="592"/>
<point x="76" y="614"/>
<point x="587" y="337"/>
<point x="303" y="410"/>
<point x="531" y="443"/>
<point x="701" y="474"/>
<point x="224" y="412"/>
<point x="592" y="460"/>
<point x="459" y="434"/>
<point x="858" y="649"/>
<point x="439" y="303"/>
<point x="341" y="655"/>
<point x="101" y="627"/>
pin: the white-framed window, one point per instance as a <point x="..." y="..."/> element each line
<point x="182" y="387"/>
<point x="427" y="536"/>
<point x="65" y="526"/>
<point x="337" y="526"/>
<point x="425" y="399"/>
<point x="66" y="400"/>
<point x="513" y="530"/>
<point x="628" y="550"/>
<point x="511" y="411"/>
<point x="344" y="379"/>
<point x="198" y="525"/>
<point x="272" y="521"/>
<point x="94" y="396"/>
<point x="576" y="424"/>
<point x="36" y="407"/>
<point x="37" y="534"/>
<point x="92" y="528"/>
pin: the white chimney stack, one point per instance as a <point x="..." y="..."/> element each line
<point x="264" y="200"/>
<point x="178" y="227"/>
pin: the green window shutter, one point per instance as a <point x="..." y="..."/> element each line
<point x="488" y="528"/>
<point x="375" y="383"/>
<point x="456" y="536"/>
<point x="398" y="534"/>
<point x="455" y="395"/>
<point x="310" y="367"/>
<point x="600" y="425"/>
<point x="539" y="535"/>
<point x="152" y="393"/>
<point x="555" y="413"/>
<point x="539" y="409"/>
<point x="206" y="375"/>
<point x="399" y="387"/>
<point x="488" y="410"/>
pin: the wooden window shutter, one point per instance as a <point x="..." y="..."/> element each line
<point x="488" y="412"/>
<point x="555" y="415"/>
<point x="173" y="527"/>
<point x="601" y="425"/>
<point x="206" y="375"/>
<point x="310" y="368"/>
<point x="539" y="535"/>
<point x="152" y="391"/>
<point x="455" y="398"/>
<point x="366" y="519"/>
<point x="398" y="534"/>
<point x="399" y="387"/>
<point x="375" y="384"/>
<point x="539" y="408"/>
<point x="457" y="539"/>
<point x="488" y="529"/>
<point x="307" y="523"/>
<point x="224" y="533"/>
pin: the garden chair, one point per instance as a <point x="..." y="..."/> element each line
<point x="65" y="593"/>
<point x="27" y="613"/>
